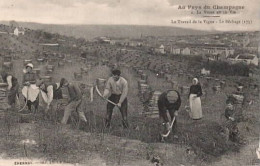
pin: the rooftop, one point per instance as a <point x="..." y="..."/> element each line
<point x="246" y="56"/>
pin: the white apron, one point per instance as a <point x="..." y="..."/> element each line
<point x="32" y="91"/>
<point x="195" y="107"/>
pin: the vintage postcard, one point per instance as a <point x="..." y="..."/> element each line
<point x="131" y="83"/>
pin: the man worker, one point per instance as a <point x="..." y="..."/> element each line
<point x="75" y="101"/>
<point x="12" y="88"/>
<point x="117" y="86"/>
<point x="169" y="101"/>
<point x="231" y="121"/>
<point x="51" y="93"/>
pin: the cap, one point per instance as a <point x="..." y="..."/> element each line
<point x="172" y="96"/>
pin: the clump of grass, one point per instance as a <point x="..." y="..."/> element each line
<point x="54" y="141"/>
<point x="8" y="125"/>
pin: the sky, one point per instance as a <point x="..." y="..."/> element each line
<point x="133" y="12"/>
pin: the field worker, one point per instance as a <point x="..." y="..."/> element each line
<point x="194" y="99"/>
<point x="30" y="91"/>
<point x="13" y="87"/>
<point x="231" y="123"/>
<point x="75" y="100"/>
<point x="51" y="93"/>
<point x="171" y="101"/>
<point x="117" y="86"/>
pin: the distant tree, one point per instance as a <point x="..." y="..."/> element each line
<point x="13" y="23"/>
<point x="224" y="68"/>
<point x="81" y="40"/>
<point x="47" y="35"/>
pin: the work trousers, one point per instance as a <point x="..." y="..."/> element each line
<point x="123" y="109"/>
<point x="73" y="106"/>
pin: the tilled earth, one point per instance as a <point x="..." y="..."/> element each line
<point x="195" y="143"/>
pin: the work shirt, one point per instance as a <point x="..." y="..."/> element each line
<point x="74" y="92"/>
<point x="119" y="87"/>
<point x="29" y="77"/>
<point x="10" y="80"/>
<point x="229" y="112"/>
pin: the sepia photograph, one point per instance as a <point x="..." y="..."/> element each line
<point x="129" y="83"/>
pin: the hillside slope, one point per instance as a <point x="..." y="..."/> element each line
<point x="132" y="31"/>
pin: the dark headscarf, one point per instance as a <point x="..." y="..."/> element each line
<point x="116" y="72"/>
<point x="62" y="81"/>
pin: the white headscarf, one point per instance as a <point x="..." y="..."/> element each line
<point x="196" y="80"/>
<point x="28" y="65"/>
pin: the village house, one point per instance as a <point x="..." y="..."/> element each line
<point x="249" y="59"/>
<point x="180" y="50"/>
<point x="215" y="50"/>
<point x="102" y="40"/>
<point x="135" y="43"/>
<point x="160" y="50"/>
<point x="18" y="30"/>
<point x="220" y="50"/>
<point x="1" y="32"/>
<point x="175" y="50"/>
<point x="112" y="42"/>
<point x="122" y="42"/>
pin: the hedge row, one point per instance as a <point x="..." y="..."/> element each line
<point x="225" y="68"/>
